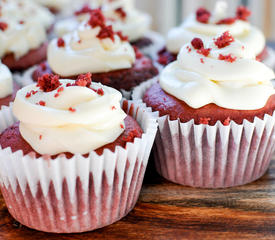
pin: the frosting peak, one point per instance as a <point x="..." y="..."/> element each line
<point x="222" y="71"/>
<point x="206" y="25"/>
<point x="93" y="47"/>
<point x="68" y="116"/>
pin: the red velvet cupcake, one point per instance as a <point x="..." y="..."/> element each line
<point x="75" y="161"/>
<point x="94" y="47"/>
<point x="124" y="17"/>
<point x="206" y="25"/>
<point x="216" y="115"/>
<point x="23" y="34"/>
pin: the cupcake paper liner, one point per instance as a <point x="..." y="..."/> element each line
<point x="78" y="194"/>
<point x="270" y="60"/>
<point x="212" y="156"/>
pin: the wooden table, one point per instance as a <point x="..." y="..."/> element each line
<point x="169" y="211"/>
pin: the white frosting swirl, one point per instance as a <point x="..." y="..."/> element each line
<point x="53" y="129"/>
<point x="135" y="25"/>
<point x="6" y="83"/>
<point x="55" y="4"/>
<point x="85" y="52"/>
<point x="198" y="80"/>
<point x="249" y="35"/>
<point x="27" y="26"/>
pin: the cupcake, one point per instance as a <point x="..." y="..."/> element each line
<point x="94" y="47"/>
<point x="216" y="114"/>
<point x="206" y="25"/>
<point x="124" y="17"/>
<point x="75" y="161"/>
<point x="8" y="87"/>
<point x="23" y="33"/>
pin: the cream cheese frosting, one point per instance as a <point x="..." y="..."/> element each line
<point x="6" y="83"/>
<point x="84" y="52"/>
<point x="79" y="120"/>
<point x="26" y="25"/>
<point x="249" y="35"/>
<point x="55" y="4"/>
<point x="229" y="77"/>
<point x="134" y="24"/>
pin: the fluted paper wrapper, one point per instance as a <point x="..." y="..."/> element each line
<point x="78" y="194"/>
<point x="212" y="156"/>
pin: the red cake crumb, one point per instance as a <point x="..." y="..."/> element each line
<point x="61" y="89"/>
<point x="48" y="82"/>
<point x="106" y="32"/>
<point x="204" y="121"/>
<point x="60" y="42"/>
<point x="42" y="103"/>
<point x="120" y="11"/>
<point x="189" y="49"/>
<point x="227" y="21"/>
<point x="204" y="51"/>
<point x="243" y="13"/>
<point x="21" y="22"/>
<point x="29" y="94"/>
<point x="72" y="109"/>
<point x="40" y="137"/>
<point x="84" y="10"/>
<point x="56" y="95"/>
<point x="96" y="18"/>
<point x="3" y="26"/>
<point x="197" y="43"/>
<point x="84" y="80"/>
<point x="122" y="37"/>
<point x="100" y="92"/>
<point x="227" y="58"/>
<point x="203" y="15"/>
<point x="121" y="125"/>
<point x="202" y="61"/>
<point x="138" y="53"/>
<point x="113" y="108"/>
<point x="225" y="40"/>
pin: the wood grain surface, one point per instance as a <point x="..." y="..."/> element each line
<point x="169" y="211"/>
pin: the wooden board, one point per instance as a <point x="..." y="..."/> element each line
<point x="169" y="211"/>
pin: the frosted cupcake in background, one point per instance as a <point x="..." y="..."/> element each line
<point x="216" y="114"/>
<point x="23" y="33"/>
<point x="8" y="87"/>
<point x="206" y="25"/>
<point x="75" y="161"/>
<point x="124" y="17"/>
<point x="95" y="47"/>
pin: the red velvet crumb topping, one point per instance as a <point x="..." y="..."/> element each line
<point x="204" y="51"/>
<point x="3" y="26"/>
<point x="106" y="32"/>
<point x="225" y="40"/>
<point x="42" y="103"/>
<point x="84" y="10"/>
<point x="203" y="15"/>
<point x="227" y="58"/>
<point x="100" y="92"/>
<point x="202" y="61"/>
<point x="60" y="42"/>
<point x="120" y="11"/>
<point x="84" y="80"/>
<point x="243" y="13"/>
<point x="227" y="21"/>
<point x="138" y="53"/>
<point x="122" y="37"/>
<point x="197" y="43"/>
<point x="29" y="94"/>
<point x="72" y="109"/>
<point x="48" y="82"/>
<point x="97" y="19"/>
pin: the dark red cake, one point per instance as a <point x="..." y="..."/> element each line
<point x="11" y="137"/>
<point x="7" y="100"/>
<point x="142" y="42"/>
<point x="33" y="57"/>
<point x="126" y="79"/>
<point x="167" y="104"/>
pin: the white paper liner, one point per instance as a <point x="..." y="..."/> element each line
<point x="270" y="60"/>
<point x="212" y="156"/>
<point x="78" y="194"/>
